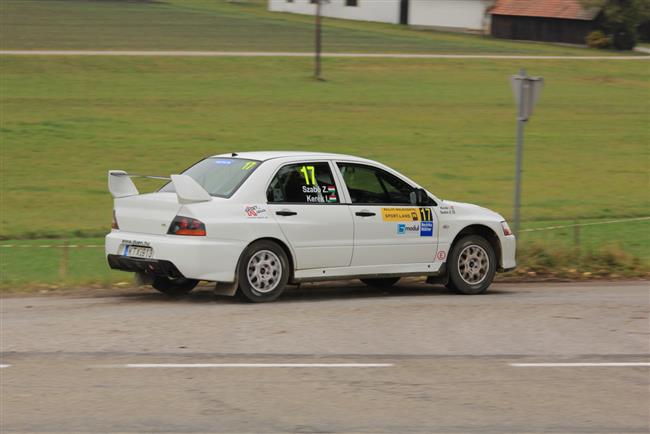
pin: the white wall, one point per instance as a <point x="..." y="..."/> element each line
<point x="454" y="14"/>
<point x="385" y="11"/>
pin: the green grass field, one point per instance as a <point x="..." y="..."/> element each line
<point x="222" y="25"/>
<point x="449" y="124"/>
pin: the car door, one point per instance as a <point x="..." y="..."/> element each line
<point x="304" y="199"/>
<point x="388" y="227"/>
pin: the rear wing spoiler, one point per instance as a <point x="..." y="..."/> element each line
<point x="187" y="189"/>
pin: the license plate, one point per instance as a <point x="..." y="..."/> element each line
<point x="138" y="251"/>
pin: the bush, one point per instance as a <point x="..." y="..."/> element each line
<point x="598" y="39"/>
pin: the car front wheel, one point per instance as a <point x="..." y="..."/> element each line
<point x="471" y="265"/>
<point x="263" y="272"/>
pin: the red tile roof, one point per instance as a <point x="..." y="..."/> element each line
<point x="566" y="9"/>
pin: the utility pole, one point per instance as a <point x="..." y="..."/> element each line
<point x="526" y="90"/>
<point x="318" y="42"/>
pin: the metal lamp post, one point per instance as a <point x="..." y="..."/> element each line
<point x="526" y="90"/>
<point x="318" y="38"/>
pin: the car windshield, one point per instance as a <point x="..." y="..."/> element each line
<point x="220" y="177"/>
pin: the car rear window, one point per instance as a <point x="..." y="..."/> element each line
<point x="220" y="177"/>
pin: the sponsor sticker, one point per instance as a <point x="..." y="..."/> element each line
<point x="223" y="161"/>
<point x="408" y="228"/>
<point x="249" y="165"/>
<point x="256" y="212"/>
<point x="400" y="214"/>
<point x="441" y="255"/>
<point x="136" y="243"/>
<point x="426" y="229"/>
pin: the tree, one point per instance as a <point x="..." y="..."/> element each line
<point x="621" y="19"/>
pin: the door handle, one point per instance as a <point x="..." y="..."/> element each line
<point x="286" y="213"/>
<point x="365" y="214"/>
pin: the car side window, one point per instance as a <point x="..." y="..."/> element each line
<point x="303" y="183"/>
<point x="367" y="185"/>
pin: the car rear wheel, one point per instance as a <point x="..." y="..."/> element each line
<point x="174" y="287"/>
<point x="471" y="265"/>
<point x="383" y="282"/>
<point x="263" y="272"/>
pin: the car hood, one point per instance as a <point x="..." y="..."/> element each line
<point x="452" y="207"/>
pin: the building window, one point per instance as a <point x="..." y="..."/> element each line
<point x="352" y="2"/>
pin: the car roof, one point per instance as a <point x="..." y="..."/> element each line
<point x="269" y="155"/>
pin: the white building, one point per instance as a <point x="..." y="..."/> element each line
<point x="456" y="15"/>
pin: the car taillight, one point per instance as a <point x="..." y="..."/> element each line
<point x="114" y="224"/>
<point x="186" y="226"/>
<point x="506" y="228"/>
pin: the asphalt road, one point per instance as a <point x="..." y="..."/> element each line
<point x="336" y="358"/>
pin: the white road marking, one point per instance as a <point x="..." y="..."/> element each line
<point x="300" y="54"/>
<point x="4" y="366"/>
<point x="578" y="365"/>
<point x="257" y="365"/>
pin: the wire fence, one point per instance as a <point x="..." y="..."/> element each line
<point x="65" y="261"/>
<point x="578" y="224"/>
<point x="546" y="228"/>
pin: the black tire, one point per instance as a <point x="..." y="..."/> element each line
<point x="474" y="272"/>
<point x="174" y="287"/>
<point x="382" y="282"/>
<point x="275" y="277"/>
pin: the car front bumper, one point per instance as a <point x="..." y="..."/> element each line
<point x="508" y="252"/>
<point x="193" y="257"/>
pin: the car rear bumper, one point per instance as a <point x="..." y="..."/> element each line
<point x="192" y="257"/>
<point x="157" y="267"/>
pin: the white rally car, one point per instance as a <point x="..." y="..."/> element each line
<point x="254" y="222"/>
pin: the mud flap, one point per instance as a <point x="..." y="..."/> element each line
<point x="226" y="288"/>
<point x="440" y="279"/>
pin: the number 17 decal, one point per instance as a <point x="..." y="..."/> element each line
<point x="425" y="214"/>
<point x="306" y="170"/>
